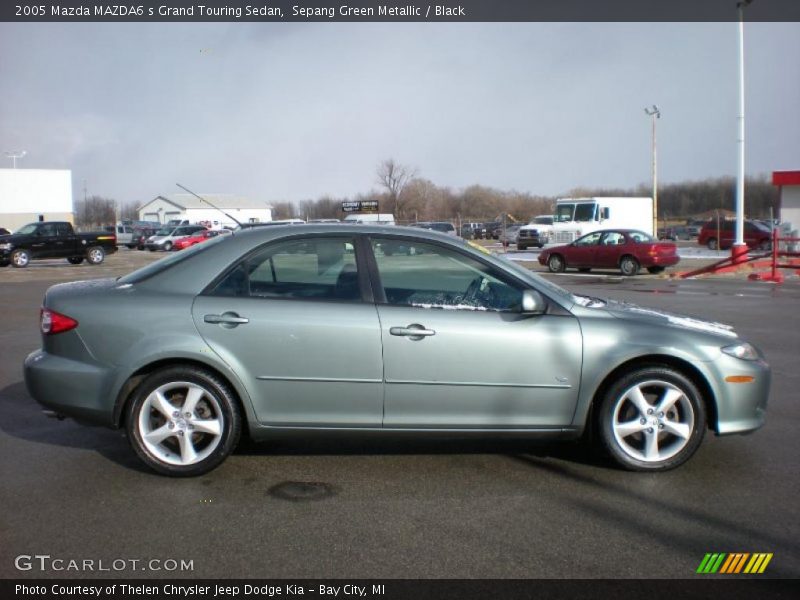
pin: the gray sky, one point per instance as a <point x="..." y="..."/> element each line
<point x="295" y="111"/>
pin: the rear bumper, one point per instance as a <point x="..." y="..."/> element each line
<point x="70" y="388"/>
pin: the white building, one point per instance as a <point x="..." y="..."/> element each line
<point x="28" y="195"/>
<point x="187" y="207"/>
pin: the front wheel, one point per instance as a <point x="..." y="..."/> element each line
<point x="629" y="266"/>
<point x="556" y="264"/>
<point x="652" y="419"/>
<point x="20" y="258"/>
<point x="95" y="255"/>
<point x="183" y="421"/>
<point x="712" y="244"/>
<point x="168" y="246"/>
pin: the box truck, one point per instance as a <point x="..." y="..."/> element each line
<point x="574" y="217"/>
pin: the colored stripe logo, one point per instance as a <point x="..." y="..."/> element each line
<point x="734" y="563"/>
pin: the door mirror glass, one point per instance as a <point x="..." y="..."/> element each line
<point x="533" y="303"/>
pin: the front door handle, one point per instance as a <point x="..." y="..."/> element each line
<point x="415" y="331"/>
<point x="228" y="319"/>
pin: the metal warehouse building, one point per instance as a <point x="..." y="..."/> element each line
<point x="28" y="195"/>
<point x="188" y="207"/>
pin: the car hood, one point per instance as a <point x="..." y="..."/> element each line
<point x="633" y="312"/>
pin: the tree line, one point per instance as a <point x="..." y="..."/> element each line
<point x="401" y="191"/>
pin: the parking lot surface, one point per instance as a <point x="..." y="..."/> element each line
<point x="376" y="508"/>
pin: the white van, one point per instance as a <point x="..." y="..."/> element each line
<point x="371" y="218"/>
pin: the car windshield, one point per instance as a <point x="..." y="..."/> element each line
<point x="165" y="231"/>
<point x="170" y="260"/>
<point x="27" y="229"/>
<point x="539" y="281"/>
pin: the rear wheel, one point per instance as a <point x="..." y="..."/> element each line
<point x="95" y="255"/>
<point x="652" y="419"/>
<point x="556" y="264"/>
<point x="628" y="266"/>
<point x="712" y="243"/>
<point x="183" y="421"/>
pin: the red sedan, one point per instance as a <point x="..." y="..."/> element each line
<point x="201" y="236"/>
<point x="625" y="249"/>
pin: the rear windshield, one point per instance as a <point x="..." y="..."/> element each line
<point x="170" y="260"/>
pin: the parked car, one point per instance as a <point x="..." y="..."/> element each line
<point x="289" y="329"/>
<point x="473" y="231"/>
<point x="722" y="235"/>
<point x="441" y="226"/>
<point x="509" y="236"/>
<point x="491" y="229"/>
<point x="4" y="231"/>
<point x="165" y="238"/>
<point x="201" y="236"/>
<point x="140" y="236"/>
<point x="54" y="239"/>
<point x="625" y="249"/>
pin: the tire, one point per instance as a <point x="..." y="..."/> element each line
<point x="20" y="258"/>
<point x="556" y="263"/>
<point x="712" y="244"/>
<point x="629" y="266"/>
<point x="765" y="245"/>
<point x="75" y="260"/>
<point x="168" y="246"/>
<point x="640" y="437"/>
<point x="655" y="270"/>
<point x="95" y="255"/>
<point x="159" y="430"/>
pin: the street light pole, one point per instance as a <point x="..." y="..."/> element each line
<point x="14" y="155"/>
<point x="739" y="248"/>
<point x="655" y="113"/>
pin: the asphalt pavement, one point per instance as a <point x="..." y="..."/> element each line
<point x="372" y="508"/>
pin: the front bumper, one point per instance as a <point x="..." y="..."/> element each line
<point x="741" y="407"/>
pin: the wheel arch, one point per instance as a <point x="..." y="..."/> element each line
<point x="659" y="360"/>
<point x="128" y="388"/>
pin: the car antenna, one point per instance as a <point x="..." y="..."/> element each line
<point x="211" y="205"/>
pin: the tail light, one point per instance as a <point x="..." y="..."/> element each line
<point x="52" y="322"/>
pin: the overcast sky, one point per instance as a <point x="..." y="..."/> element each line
<point x="296" y="111"/>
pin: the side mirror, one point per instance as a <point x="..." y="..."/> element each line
<point x="533" y="303"/>
<point x="605" y="213"/>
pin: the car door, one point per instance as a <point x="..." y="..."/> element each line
<point x="45" y="242"/>
<point x="457" y="352"/>
<point x="609" y="249"/>
<point x="291" y="321"/>
<point x="583" y="251"/>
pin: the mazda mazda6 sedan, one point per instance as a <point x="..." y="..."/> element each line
<point x="358" y="328"/>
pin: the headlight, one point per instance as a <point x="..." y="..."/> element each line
<point x="744" y="351"/>
<point x="6" y="246"/>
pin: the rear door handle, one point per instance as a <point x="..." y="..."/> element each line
<point x="230" y="319"/>
<point x="415" y="331"/>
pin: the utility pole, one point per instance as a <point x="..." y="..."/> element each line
<point x="14" y="155"/>
<point x="655" y="113"/>
<point x="739" y="248"/>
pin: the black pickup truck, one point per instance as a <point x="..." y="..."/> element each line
<point x="54" y="239"/>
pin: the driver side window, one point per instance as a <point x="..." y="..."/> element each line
<point x="431" y="276"/>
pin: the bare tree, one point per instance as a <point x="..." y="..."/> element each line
<point x="394" y="177"/>
<point x="95" y="211"/>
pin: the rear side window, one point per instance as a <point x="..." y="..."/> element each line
<point x="310" y="268"/>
